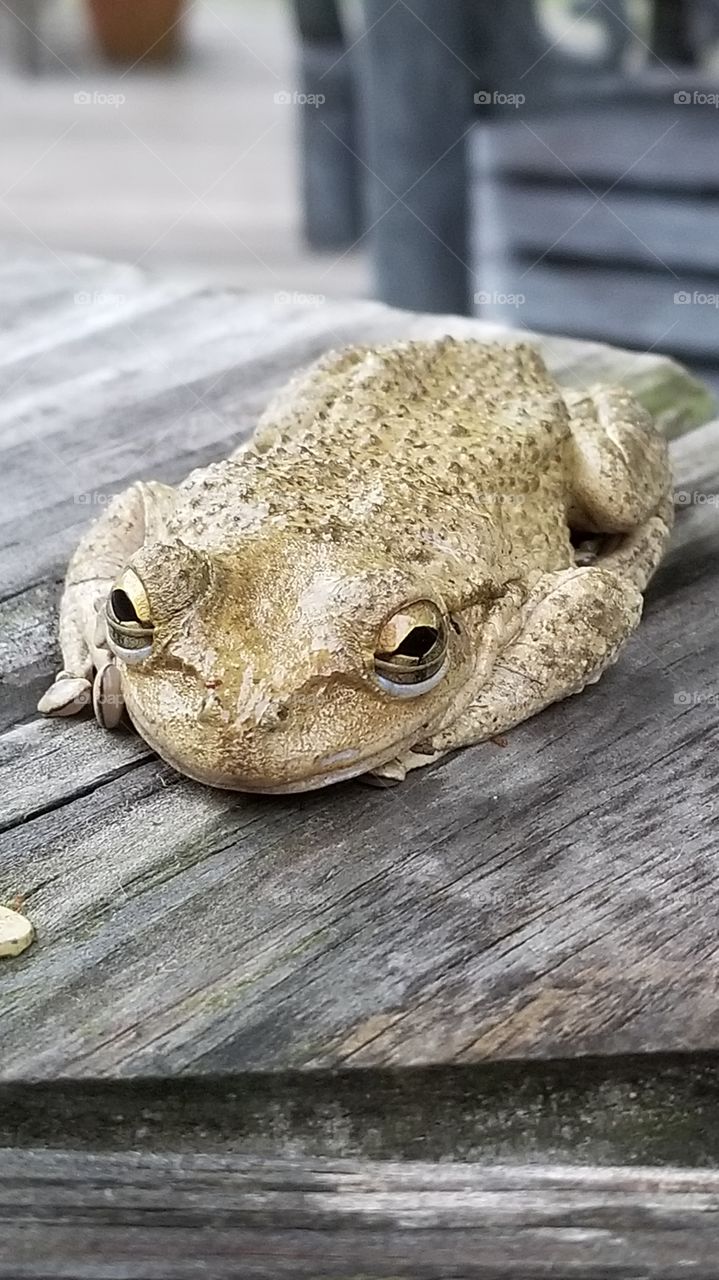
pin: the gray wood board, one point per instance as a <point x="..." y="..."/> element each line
<point x="170" y="1217"/>
<point x="670" y="147"/>
<point x="550" y="897"/>
<point x="653" y="231"/>
<point x="647" y="1110"/>
<point x="662" y="309"/>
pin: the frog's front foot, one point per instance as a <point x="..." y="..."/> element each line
<point x="67" y="695"/>
<point x="98" y="681"/>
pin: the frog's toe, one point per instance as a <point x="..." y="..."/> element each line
<point x="107" y="700"/>
<point x="67" y="695"/>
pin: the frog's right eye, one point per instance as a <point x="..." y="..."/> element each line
<point x="412" y="650"/>
<point x="129" y="621"/>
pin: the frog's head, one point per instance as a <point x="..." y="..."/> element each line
<point x="286" y="665"/>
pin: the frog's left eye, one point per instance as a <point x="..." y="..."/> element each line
<point x="129" y="622"/>
<point x="411" y="654"/>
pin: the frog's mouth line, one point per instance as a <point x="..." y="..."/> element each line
<point x="313" y="781"/>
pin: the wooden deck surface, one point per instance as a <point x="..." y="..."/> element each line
<point x="494" y="1172"/>
<point x="138" y="1216"/>
<point x="552" y="898"/>
<point x="195" y="169"/>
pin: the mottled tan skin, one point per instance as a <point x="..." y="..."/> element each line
<point x="448" y="471"/>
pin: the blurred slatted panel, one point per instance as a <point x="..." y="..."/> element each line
<point x="603" y="222"/>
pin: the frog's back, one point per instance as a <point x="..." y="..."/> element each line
<point x="405" y="439"/>
<point x="461" y="403"/>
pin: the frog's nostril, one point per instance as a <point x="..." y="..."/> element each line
<point x="274" y="716"/>
<point x="212" y="710"/>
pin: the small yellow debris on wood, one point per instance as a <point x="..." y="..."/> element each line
<point x="16" y="932"/>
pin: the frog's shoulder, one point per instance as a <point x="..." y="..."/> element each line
<point x="306" y="401"/>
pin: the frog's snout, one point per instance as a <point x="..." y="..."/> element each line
<point x="220" y="706"/>
<point x="213" y="710"/>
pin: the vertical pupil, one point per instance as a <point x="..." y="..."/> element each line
<point x="122" y="607"/>
<point x="417" y="643"/>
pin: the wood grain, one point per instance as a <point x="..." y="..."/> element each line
<point x="549" y="898"/>
<point x="170" y="1217"/>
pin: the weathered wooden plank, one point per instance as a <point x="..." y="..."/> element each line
<point x="658" y="1110"/>
<point x="508" y="902"/>
<point x="667" y="146"/>
<point x="412" y="926"/>
<point x="677" y="311"/>
<point x="41" y="770"/>
<point x="162" y="380"/>
<point x="521" y="1116"/>
<point x="170" y="1217"/>
<point x="635" y="228"/>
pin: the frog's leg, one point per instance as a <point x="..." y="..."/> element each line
<point x="131" y="518"/>
<point x="573" y="626"/>
<point x="576" y="621"/>
<point x="621" y="482"/>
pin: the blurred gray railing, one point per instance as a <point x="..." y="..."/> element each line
<point x="588" y="207"/>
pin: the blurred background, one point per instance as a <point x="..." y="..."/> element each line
<point x="551" y="164"/>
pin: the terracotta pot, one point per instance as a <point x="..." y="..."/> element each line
<point x="128" y="30"/>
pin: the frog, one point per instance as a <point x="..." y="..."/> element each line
<point x="423" y="544"/>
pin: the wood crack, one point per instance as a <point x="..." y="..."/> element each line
<point x="77" y="793"/>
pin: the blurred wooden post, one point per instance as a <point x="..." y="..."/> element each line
<point x="416" y="104"/>
<point x="24" y="17"/>
<point x="671" y="38"/>
<point x="331" y="192"/>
